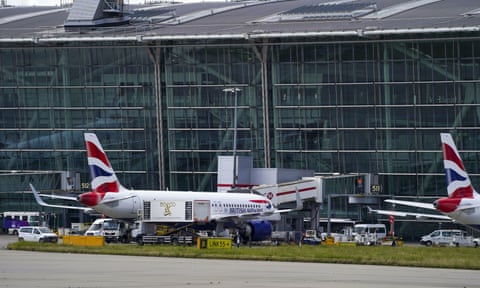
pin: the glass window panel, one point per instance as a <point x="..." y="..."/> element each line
<point x="397" y="162"/>
<point x="396" y="117"/>
<point x="395" y="139"/>
<point x="468" y="116"/>
<point x="311" y="73"/>
<point x="356" y="117"/>
<point x="396" y="94"/>
<point x="437" y="116"/>
<point x="309" y="53"/>
<point x="356" y="139"/>
<point x="356" y="94"/>
<point x="288" y="73"/>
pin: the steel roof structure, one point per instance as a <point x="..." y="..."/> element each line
<point x="247" y="20"/>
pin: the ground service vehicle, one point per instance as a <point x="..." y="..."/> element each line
<point x="369" y="234"/>
<point x="113" y="230"/>
<point x="289" y="237"/>
<point x="310" y="237"/>
<point x="79" y="228"/>
<point x="12" y="221"/>
<point x="447" y="237"/>
<point x="153" y="233"/>
<point x="36" y="234"/>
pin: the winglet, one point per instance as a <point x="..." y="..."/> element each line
<point x="37" y="196"/>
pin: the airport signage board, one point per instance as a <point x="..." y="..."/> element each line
<point x="214" y="243"/>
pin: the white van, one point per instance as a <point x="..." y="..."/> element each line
<point x="369" y="234"/>
<point x="113" y="230"/>
<point x="36" y="234"/>
<point x="447" y="237"/>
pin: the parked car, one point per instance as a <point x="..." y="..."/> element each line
<point x="36" y="234"/>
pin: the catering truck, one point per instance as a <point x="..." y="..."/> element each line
<point x="162" y="211"/>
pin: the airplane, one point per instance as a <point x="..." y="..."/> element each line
<point x="110" y="198"/>
<point x="462" y="203"/>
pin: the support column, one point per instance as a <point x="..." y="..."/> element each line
<point x="262" y="53"/>
<point x="154" y="55"/>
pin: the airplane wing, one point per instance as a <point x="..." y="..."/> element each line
<point x="406" y="214"/>
<point x="43" y="203"/>
<point x="412" y="204"/>
<point x="58" y="197"/>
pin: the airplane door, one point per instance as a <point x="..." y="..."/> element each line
<point x="201" y="211"/>
<point x="136" y="205"/>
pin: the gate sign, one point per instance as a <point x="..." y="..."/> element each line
<point x="376" y="189"/>
<point x="214" y="243"/>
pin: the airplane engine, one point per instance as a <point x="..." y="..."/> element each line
<point x="90" y="198"/>
<point x="258" y="230"/>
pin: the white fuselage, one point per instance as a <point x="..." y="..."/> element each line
<point x="467" y="213"/>
<point x="222" y="205"/>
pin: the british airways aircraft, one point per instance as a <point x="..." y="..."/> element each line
<point x="462" y="204"/>
<point x="251" y="212"/>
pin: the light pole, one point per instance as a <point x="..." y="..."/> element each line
<point x="235" y="92"/>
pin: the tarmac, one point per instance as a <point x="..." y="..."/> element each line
<point x="40" y="269"/>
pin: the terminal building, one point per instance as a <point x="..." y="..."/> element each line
<point x="357" y="92"/>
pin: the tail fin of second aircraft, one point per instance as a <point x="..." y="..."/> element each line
<point x="103" y="177"/>
<point x="458" y="182"/>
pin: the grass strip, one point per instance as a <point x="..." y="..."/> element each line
<point x="412" y="256"/>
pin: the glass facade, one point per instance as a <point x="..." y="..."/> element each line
<point x="49" y="96"/>
<point x="377" y="107"/>
<point x="200" y="113"/>
<point x="337" y="106"/>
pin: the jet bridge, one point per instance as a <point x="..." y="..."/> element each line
<point x="309" y="189"/>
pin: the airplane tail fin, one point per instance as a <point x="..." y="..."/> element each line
<point x="103" y="177"/>
<point x="458" y="182"/>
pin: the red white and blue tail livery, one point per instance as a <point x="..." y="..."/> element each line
<point x="462" y="202"/>
<point x="103" y="177"/>
<point x="458" y="182"/>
